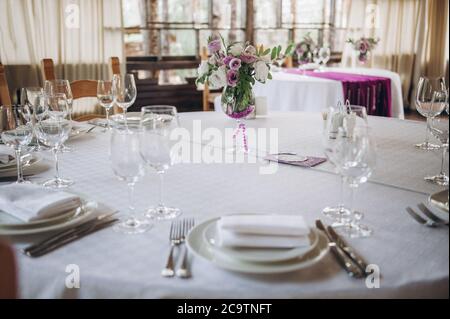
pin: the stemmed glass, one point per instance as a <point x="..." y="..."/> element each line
<point x="357" y="158"/>
<point x="128" y="166"/>
<point x="316" y="56"/>
<point x="158" y="122"/>
<point x="16" y="132"/>
<point x="348" y="116"/>
<point x="61" y="87"/>
<point x="325" y="55"/>
<point x="124" y="90"/>
<point x="34" y="99"/>
<point x="105" y="96"/>
<point x="430" y="103"/>
<point x="440" y="130"/>
<point x="53" y="129"/>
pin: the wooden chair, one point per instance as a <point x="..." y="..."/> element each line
<point x="8" y="272"/>
<point x="208" y="97"/>
<point x="5" y="98"/>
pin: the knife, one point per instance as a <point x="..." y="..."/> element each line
<point x="65" y="233"/>
<point x="344" y="260"/>
<point x="350" y="251"/>
<point x="77" y="235"/>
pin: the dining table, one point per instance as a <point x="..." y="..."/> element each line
<point x="413" y="260"/>
<point x="291" y="90"/>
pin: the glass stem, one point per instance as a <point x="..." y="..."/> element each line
<point x="161" y="189"/>
<point x="444" y="152"/>
<point x="341" y="191"/>
<point x="131" y="208"/>
<point x="427" y="134"/>
<point x="108" y="126"/>
<point x="55" y="154"/>
<point x="19" y="166"/>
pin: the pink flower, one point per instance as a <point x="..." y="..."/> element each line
<point x="227" y="60"/>
<point x="232" y="78"/>
<point x="247" y="58"/>
<point x="235" y="64"/>
<point x="214" y="46"/>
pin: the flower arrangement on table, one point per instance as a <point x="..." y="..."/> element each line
<point x="236" y="67"/>
<point x="305" y="50"/>
<point x="364" y="46"/>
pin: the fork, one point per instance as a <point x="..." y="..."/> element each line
<point x="183" y="271"/>
<point x="175" y="235"/>
<point x="432" y="216"/>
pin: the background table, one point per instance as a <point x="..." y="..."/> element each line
<point x="414" y="260"/>
<point x="292" y="92"/>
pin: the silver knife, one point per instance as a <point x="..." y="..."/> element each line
<point x="66" y="240"/>
<point x="65" y="233"/>
<point x="350" y="251"/>
<point x="344" y="260"/>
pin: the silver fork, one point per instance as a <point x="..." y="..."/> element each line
<point x="183" y="271"/>
<point x="432" y="216"/>
<point x="420" y="219"/>
<point x="175" y="235"/>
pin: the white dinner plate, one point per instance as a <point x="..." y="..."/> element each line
<point x="31" y="167"/>
<point x="211" y="235"/>
<point x="198" y="246"/>
<point x="440" y="200"/>
<point x="47" y="225"/>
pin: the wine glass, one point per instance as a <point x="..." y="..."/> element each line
<point x="357" y="158"/>
<point x="316" y="56"/>
<point x="34" y="99"/>
<point x="325" y="55"/>
<point x="430" y="104"/>
<point x="61" y="87"/>
<point x="125" y="90"/>
<point x="129" y="167"/>
<point x="348" y="117"/>
<point x="158" y="122"/>
<point x="105" y="96"/>
<point x="440" y="130"/>
<point x="16" y="132"/>
<point x="53" y="129"/>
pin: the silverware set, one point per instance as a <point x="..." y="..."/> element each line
<point x="352" y="262"/>
<point x="69" y="235"/>
<point x="178" y="231"/>
<point x="428" y="218"/>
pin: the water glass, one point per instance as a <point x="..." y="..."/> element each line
<point x="105" y="96"/>
<point x="125" y="91"/>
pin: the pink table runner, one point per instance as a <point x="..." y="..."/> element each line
<point x="373" y="92"/>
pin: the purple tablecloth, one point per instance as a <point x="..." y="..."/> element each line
<point x="373" y="92"/>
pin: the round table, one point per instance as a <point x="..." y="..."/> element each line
<point x="413" y="259"/>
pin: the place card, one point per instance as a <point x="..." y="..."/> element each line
<point x="296" y="160"/>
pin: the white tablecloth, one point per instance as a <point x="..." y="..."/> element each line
<point x="414" y="260"/>
<point x="292" y="92"/>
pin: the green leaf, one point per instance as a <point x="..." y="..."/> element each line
<point x="289" y="49"/>
<point x="274" y="53"/>
<point x="278" y="50"/>
<point x="269" y="76"/>
<point x="266" y="52"/>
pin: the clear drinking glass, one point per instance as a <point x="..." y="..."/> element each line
<point x="156" y="149"/>
<point x="16" y="132"/>
<point x="53" y="129"/>
<point x="440" y="130"/>
<point x="325" y="55"/>
<point x="429" y="104"/>
<point x="124" y="90"/>
<point x="61" y="87"/>
<point x="348" y="116"/>
<point x="34" y="99"/>
<point x="128" y="166"/>
<point x="357" y="153"/>
<point x="105" y="96"/>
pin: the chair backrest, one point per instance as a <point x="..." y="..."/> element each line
<point x="5" y="98"/>
<point x="8" y="273"/>
<point x="48" y="70"/>
<point x="205" y="98"/>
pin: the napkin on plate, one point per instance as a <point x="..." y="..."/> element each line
<point x="263" y="231"/>
<point x="33" y="202"/>
<point x="5" y="159"/>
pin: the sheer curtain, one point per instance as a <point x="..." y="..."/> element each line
<point x="412" y="37"/>
<point x="79" y="35"/>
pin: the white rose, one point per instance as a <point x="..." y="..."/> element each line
<point x="250" y="50"/>
<point x="266" y="58"/>
<point x="261" y="71"/>
<point x="203" y="68"/>
<point x="218" y="79"/>
<point x="237" y="49"/>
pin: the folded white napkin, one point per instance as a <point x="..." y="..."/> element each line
<point x="231" y="239"/>
<point x="309" y="66"/>
<point x="33" y="202"/>
<point x="5" y="159"/>
<point x="276" y="225"/>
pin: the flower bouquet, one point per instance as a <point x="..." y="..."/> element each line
<point x="236" y="68"/>
<point x="305" y="49"/>
<point x="363" y="47"/>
